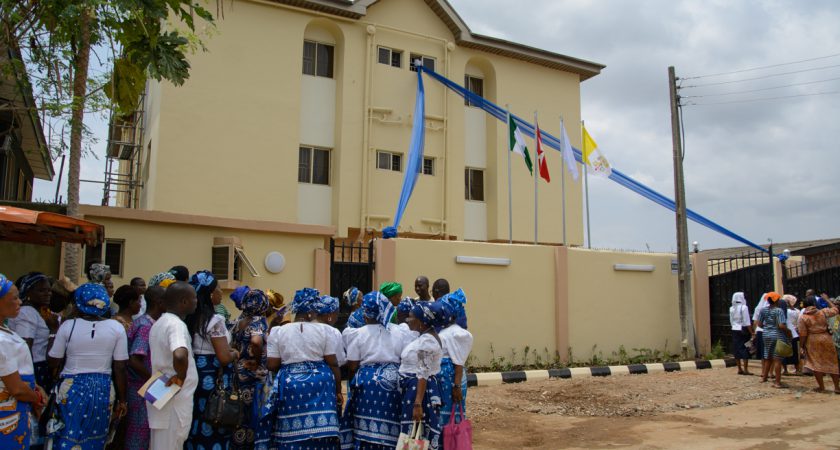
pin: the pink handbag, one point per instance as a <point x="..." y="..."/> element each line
<point x="457" y="436"/>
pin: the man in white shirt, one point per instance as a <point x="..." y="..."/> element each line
<point x="171" y="351"/>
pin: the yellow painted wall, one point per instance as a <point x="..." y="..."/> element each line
<point x="609" y="308"/>
<point x="509" y="307"/>
<point x="152" y="247"/>
<point x="226" y="143"/>
<point x="20" y="259"/>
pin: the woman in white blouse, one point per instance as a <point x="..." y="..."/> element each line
<point x="92" y="348"/>
<point x="457" y="344"/>
<point x="36" y="324"/>
<point x="212" y="352"/>
<point x="742" y="332"/>
<point x="306" y="395"/>
<point x="18" y="394"/>
<point x="419" y="365"/>
<point x="371" y="418"/>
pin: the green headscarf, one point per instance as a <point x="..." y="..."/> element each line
<point x="390" y="288"/>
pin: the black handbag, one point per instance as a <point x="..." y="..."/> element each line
<point x="225" y="409"/>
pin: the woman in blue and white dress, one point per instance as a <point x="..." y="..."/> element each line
<point x="457" y="344"/>
<point x="306" y="395"/>
<point x="419" y="365"/>
<point x="373" y="409"/>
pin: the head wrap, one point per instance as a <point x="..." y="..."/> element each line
<point x="405" y="305"/>
<point x="180" y="273"/>
<point x="29" y="281"/>
<point x="738" y="299"/>
<point x="304" y="299"/>
<point x="275" y="300"/>
<point x="351" y="296"/>
<point x="325" y="305"/>
<point x="356" y="319"/>
<point x="92" y="299"/>
<point x="790" y="299"/>
<point x="773" y="297"/>
<point x="255" y="303"/>
<point x="376" y="306"/>
<point x="157" y="280"/>
<point x="238" y="294"/>
<point x="165" y="283"/>
<point x="453" y="307"/>
<point x="430" y="313"/>
<point x="739" y="303"/>
<point x="390" y="288"/>
<point x="203" y="281"/>
<point x="5" y="285"/>
<point x="98" y="272"/>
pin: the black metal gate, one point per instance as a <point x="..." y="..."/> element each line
<point x="351" y="264"/>
<point x="820" y="273"/>
<point x="750" y="273"/>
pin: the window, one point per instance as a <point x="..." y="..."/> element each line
<point x="428" y="166"/>
<point x="314" y="165"/>
<point x="227" y="259"/>
<point x="114" y="256"/>
<point x="390" y="57"/>
<point x="474" y="85"/>
<point x="318" y="59"/>
<point x="427" y="62"/>
<point x="474" y="184"/>
<point x="389" y="161"/>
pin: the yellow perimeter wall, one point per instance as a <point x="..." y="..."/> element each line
<point x="549" y="297"/>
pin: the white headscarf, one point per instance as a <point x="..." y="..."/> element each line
<point x="739" y="308"/>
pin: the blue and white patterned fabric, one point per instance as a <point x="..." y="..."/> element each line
<point x="431" y="408"/>
<point x="356" y="319"/>
<point x="446" y="379"/>
<point x="92" y="299"/>
<point x="15" y="415"/>
<point x="304" y="300"/>
<point x="453" y="307"/>
<point x="204" y="436"/>
<point x="303" y="405"/>
<point x="373" y="411"/>
<point x="84" y="404"/>
<point x="376" y="306"/>
<point x="325" y="305"/>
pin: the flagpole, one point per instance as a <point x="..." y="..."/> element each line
<point x="510" y="190"/>
<point x="586" y="182"/>
<point x="536" y="170"/>
<point x="563" y="180"/>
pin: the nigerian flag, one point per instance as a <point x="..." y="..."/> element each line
<point x="517" y="142"/>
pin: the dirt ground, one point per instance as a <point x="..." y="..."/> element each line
<point x="706" y="409"/>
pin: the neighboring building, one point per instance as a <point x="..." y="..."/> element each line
<point x="298" y="117"/>
<point x="24" y="154"/>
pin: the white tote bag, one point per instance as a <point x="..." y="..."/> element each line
<point x="414" y="440"/>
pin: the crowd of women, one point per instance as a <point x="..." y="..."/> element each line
<point x="784" y="331"/>
<point x="72" y="360"/>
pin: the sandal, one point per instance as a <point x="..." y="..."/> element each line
<point x="777" y="386"/>
<point x="740" y="372"/>
<point x="748" y="373"/>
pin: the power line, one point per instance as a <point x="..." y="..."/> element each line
<point x="763" y="99"/>
<point x="761" y="77"/>
<point x="761" y="67"/>
<point x="762" y="89"/>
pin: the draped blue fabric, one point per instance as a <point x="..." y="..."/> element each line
<point x="553" y="142"/>
<point x="415" y="156"/>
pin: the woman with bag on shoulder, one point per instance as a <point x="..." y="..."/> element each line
<point x="457" y="344"/>
<point x="306" y="395"/>
<point x="420" y="363"/>
<point x="94" y="352"/>
<point x="19" y="396"/>
<point x="212" y="353"/>
<point x="816" y="342"/>
<point x="772" y="320"/>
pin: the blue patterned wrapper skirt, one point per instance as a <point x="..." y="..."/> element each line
<point x="446" y="379"/>
<point x="204" y="436"/>
<point x="372" y="417"/>
<point x="84" y="404"/>
<point x="431" y="408"/>
<point x="14" y="419"/>
<point x="303" y="404"/>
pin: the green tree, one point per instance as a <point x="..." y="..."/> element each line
<point x="56" y="38"/>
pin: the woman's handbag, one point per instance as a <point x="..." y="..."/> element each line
<point x="225" y="409"/>
<point x="783" y="349"/>
<point x="413" y="440"/>
<point x="457" y="436"/>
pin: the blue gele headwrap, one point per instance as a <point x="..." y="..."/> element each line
<point x="430" y="313"/>
<point x="29" y="281"/>
<point x="377" y="307"/>
<point x="453" y="306"/>
<point x="351" y="296"/>
<point x="304" y="300"/>
<point x="202" y="280"/>
<point x="405" y="305"/>
<point x="325" y="305"/>
<point x="5" y="285"/>
<point x="254" y="303"/>
<point x="238" y="294"/>
<point x="356" y="319"/>
<point x="92" y="299"/>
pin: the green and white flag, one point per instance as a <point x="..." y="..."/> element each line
<point x="517" y="143"/>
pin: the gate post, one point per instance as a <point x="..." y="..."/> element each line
<point x="385" y="258"/>
<point x="321" y="280"/>
<point x="702" y="305"/>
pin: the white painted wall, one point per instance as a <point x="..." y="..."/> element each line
<point x="475" y="221"/>
<point x="314" y="204"/>
<point x="317" y="111"/>
<point x="475" y="137"/>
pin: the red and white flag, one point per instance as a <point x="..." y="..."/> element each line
<point x="541" y="162"/>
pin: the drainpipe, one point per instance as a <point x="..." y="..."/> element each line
<point x="363" y="224"/>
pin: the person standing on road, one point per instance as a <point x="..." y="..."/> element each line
<point x="457" y="344"/>
<point x="792" y="324"/>
<point x="817" y="343"/>
<point x="772" y="320"/>
<point x="421" y="287"/>
<point x="742" y="332"/>
<point x="758" y="337"/>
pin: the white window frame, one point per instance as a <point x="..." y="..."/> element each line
<point x="104" y="256"/>
<point x="315" y="60"/>
<point x="391" y="53"/>
<point x="391" y="157"/>
<point x="468" y="174"/>
<point x="424" y="58"/>
<point x="468" y="86"/>
<point x="311" y="164"/>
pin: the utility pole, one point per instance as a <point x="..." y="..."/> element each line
<point x="684" y="272"/>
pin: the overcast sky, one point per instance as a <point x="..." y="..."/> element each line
<point x="763" y="169"/>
